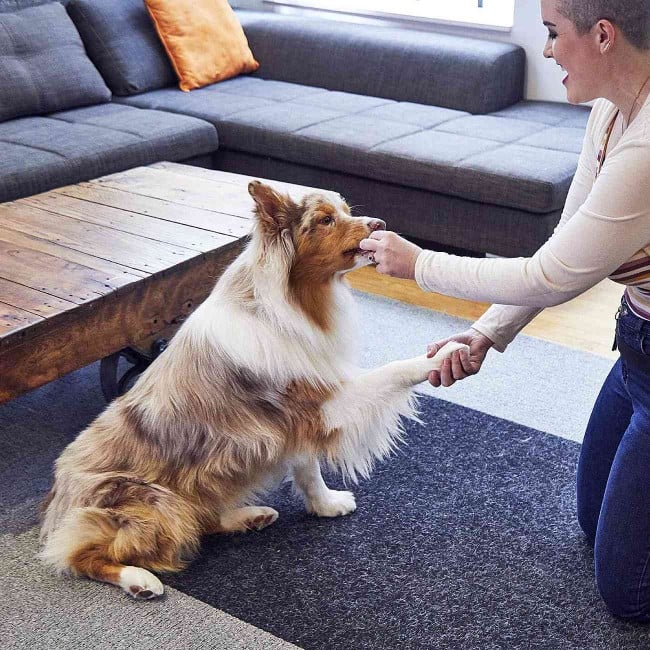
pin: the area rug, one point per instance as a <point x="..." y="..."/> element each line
<point x="466" y="538"/>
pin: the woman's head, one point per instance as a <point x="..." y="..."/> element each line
<point x="632" y="17"/>
<point x="587" y="37"/>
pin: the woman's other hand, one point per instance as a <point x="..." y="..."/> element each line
<point x="393" y="255"/>
<point x="461" y="364"/>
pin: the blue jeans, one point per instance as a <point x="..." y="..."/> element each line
<point x="613" y="481"/>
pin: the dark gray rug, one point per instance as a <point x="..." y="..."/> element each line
<point x="466" y="539"/>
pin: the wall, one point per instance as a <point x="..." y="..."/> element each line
<point x="544" y="78"/>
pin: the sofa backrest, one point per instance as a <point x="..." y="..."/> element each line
<point x="43" y="64"/>
<point x="465" y="74"/>
<point x="121" y="41"/>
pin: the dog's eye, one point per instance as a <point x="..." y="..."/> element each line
<point x="326" y="221"/>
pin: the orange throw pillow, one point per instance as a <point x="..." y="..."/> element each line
<point x="203" y="39"/>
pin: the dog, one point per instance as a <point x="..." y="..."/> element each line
<point x="257" y="384"/>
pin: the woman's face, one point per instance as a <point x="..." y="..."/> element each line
<point x="578" y="55"/>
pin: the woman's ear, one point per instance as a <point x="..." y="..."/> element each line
<point x="606" y="33"/>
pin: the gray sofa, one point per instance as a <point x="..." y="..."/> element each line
<point x="426" y="131"/>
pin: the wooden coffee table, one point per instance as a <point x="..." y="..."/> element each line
<point x="112" y="267"/>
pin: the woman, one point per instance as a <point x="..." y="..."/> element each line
<point x="604" y="46"/>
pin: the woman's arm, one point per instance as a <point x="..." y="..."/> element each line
<point x="502" y="323"/>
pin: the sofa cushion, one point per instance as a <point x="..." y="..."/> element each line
<point x="220" y="100"/>
<point x="43" y="64"/>
<point x="529" y="177"/>
<point x="122" y="42"/>
<point x="523" y="157"/>
<point x="203" y="39"/>
<point x="467" y="74"/>
<point x="40" y="153"/>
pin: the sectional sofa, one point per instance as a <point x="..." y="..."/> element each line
<point x="427" y="131"/>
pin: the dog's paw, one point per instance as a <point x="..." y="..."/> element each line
<point x="335" y="503"/>
<point x="260" y="517"/>
<point x="436" y="361"/>
<point x="140" y="583"/>
<point x="417" y="369"/>
<point x="452" y="346"/>
<point x="446" y="351"/>
<point x="240" y="520"/>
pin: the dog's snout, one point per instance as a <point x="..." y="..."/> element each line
<point x="377" y="224"/>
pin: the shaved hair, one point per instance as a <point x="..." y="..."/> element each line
<point x="632" y="17"/>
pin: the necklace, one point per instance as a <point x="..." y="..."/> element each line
<point x="602" y="152"/>
<point x="636" y="99"/>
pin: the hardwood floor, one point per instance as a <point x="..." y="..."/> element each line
<point x="585" y="323"/>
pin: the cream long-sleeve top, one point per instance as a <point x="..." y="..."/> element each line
<point x="604" y="232"/>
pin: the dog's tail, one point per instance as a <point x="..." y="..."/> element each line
<point x="133" y="525"/>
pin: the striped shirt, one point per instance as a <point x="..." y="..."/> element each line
<point x="636" y="275"/>
<point x="604" y="232"/>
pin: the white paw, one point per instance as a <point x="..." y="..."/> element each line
<point x="140" y="583"/>
<point x="335" y="503"/>
<point x="258" y="517"/>
<point x="445" y="352"/>
<point x="418" y="368"/>
<point x="240" y="520"/>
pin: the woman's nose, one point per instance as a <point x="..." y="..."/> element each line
<point x="548" y="50"/>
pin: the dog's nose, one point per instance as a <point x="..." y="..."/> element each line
<point x="377" y="224"/>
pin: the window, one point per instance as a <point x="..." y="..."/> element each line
<point x="490" y="14"/>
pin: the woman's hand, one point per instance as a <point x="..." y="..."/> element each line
<point x="393" y="254"/>
<point x="461" y="364"/>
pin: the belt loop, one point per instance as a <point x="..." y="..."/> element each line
<point x="616" y="317"/>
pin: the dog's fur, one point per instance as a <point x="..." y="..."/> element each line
<point x="259" y="382"/>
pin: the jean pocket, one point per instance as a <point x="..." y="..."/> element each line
<point x="644" y="343"/>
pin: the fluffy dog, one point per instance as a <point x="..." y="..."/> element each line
<point x="258" y="383"/>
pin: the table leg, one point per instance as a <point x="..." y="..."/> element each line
<point x="114" y="386"/>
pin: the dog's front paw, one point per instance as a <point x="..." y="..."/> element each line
<point x="448" y="349"/>
<point x="417" y="369"/>
<point x="436" y="361"/>
<point x="335" y="503"/>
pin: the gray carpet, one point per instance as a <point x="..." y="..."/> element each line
<point x="38" y="610"/>
<point x="542" y="385"/>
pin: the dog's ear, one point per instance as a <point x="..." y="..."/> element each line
<point x="274" y="211"/>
